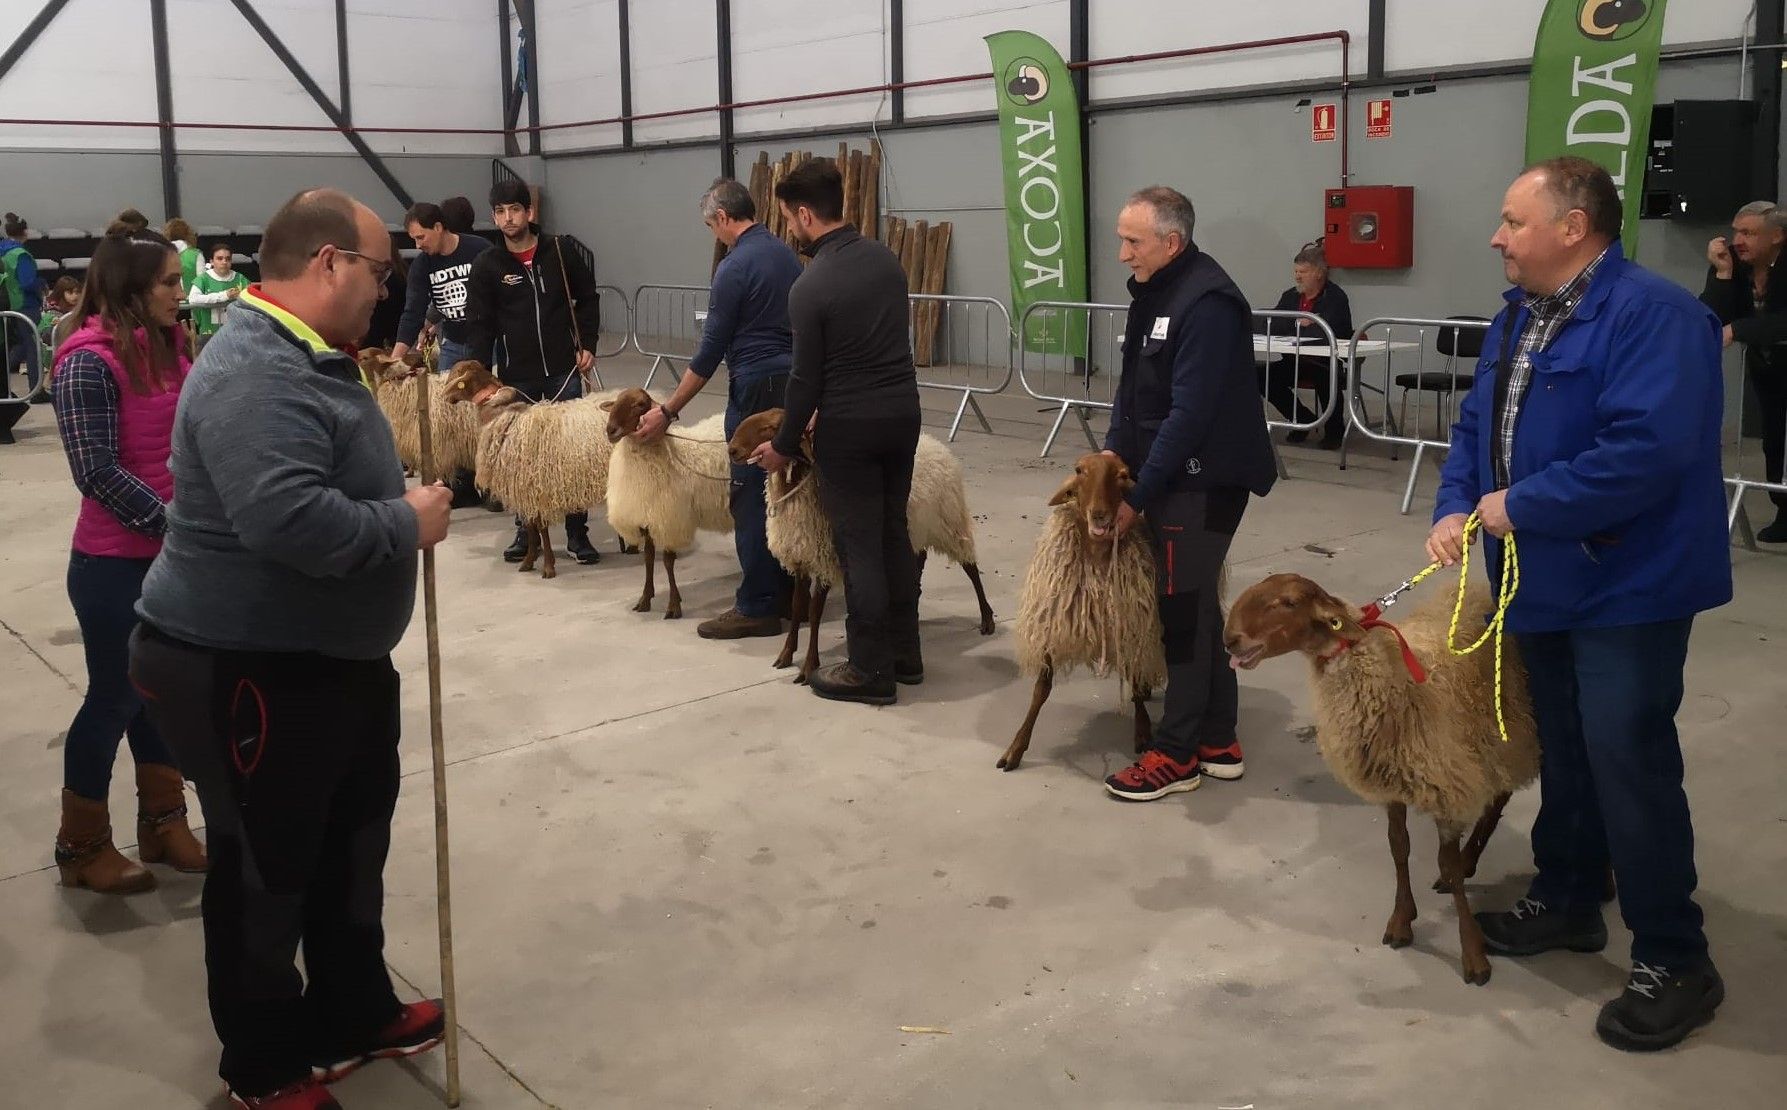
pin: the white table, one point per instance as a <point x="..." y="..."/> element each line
<point x="1268" y="347"/>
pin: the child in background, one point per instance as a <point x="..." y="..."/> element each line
<point x="180" y="233"/>
<point x="212" y="292"/>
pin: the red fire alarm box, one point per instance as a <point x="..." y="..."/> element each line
<point x="1370" y="227"/>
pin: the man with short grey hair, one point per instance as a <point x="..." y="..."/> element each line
<point x="1740" y="287"/>
<point x="747" y="326"/>
<point x="1189" y="424"/>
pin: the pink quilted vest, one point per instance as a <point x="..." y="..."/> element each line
<point x="145" y="438"/>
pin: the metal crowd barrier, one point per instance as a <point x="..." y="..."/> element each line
<point x="18" y="332"/>
<point x="970" y="349"/>
<point x="1437" y="368"/>
<point x="612" y="343"/>
<point x="1279" y="333"/>
<point x="1737" y="518"/>
<point x="1083" y="380"/>
<point x="665" y="326"/>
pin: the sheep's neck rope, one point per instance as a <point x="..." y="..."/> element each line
<point x="1496" y="628"/>
<point x="485" y="394"/>
<point x="795" y="486"/>
<point x="1371" y="617"/>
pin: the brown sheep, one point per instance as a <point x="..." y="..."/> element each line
<point x="1089" y="598"/>
<point x="1397" y="741"/>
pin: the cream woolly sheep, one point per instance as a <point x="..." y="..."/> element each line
<point x="800" y="534"/>
<point x="455" y="429"/>
<point x="662" y="493"/>
<point x="1432" y="745"/>
<point x="543" y="461"/>
<point x="1089" y="598"/>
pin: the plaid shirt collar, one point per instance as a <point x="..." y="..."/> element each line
<point x="1546" y="316"/>
<point x="1563" y="302"/>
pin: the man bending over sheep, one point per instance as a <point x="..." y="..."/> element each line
<point x="747" y="326"/>
<point x="1188" y="422"/>
<point x="1592" y="433"/>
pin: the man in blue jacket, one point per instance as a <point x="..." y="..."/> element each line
<point x="1592" y="433"/>
<point x="747" y="326"/>
<point x="1188" y="423"/>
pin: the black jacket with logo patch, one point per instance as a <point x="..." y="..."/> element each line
<point x="1187" y="413"/>
<point x="538" y="312"/>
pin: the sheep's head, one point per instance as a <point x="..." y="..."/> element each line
<point x="625" y="412"/>
<point x="470" y="381"/>
<point x="378" y="365"/>
<point x="758" y="429"/>
<point x="1096" y="488"/>
<point x="1283" y="614"/>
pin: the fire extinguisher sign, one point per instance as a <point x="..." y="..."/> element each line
<point x="1377" y="119"/>
<point x="1321" y="123"/>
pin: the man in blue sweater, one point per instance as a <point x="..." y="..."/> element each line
<point x="1592" y="432"/>
<point x="747" y="326"/>
<point x="1188" y="423"/>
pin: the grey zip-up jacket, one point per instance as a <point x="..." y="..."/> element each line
<point x="288" y="531"/>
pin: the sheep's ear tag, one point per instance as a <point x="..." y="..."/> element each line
<point x="1336" y="623"/>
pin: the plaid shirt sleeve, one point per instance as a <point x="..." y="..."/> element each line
<point x="86" y="401"/>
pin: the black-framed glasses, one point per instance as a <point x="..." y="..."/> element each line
<point x="380" y="269"/>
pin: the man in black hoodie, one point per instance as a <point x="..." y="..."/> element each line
<point x="1189" y="425"/>
<point x="540" y="300"/>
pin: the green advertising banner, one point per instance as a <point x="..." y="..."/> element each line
<point x="1045" y="211"/>
<point x="1594" y="77"/>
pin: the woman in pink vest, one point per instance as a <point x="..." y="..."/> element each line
<point x="117" y="379"/>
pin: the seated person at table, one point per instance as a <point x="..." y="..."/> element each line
<point x="1312" y="292"/>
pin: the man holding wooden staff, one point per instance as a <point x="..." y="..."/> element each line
<point x="288" y="575"/>
<point x="853" y="361"/>
<point x="747" y="326"/>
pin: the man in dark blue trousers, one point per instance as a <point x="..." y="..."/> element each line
<point x="1592" y="435"/>
<point x="747" y="327"/>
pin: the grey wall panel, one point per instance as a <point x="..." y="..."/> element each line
<point x="86" y="189"/>
<point x="638" y="213"/>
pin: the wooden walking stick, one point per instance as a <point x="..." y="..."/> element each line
<point x="442" y="878"/>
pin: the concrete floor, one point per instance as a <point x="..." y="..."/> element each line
<point x="681" y="882"/>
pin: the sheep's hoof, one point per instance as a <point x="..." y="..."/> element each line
<point x="783" y="662"/>
<point x="1441" y="886"/>
<point x="1009" y="764"/>
<point x="674" y="613"/>
<point x="1476" y="971"/>
<point x="1399" y="936"/>
<point x="525" y="568"/>
<point x="986" y="625"/>
<point x="644" y="605"/>
<point x="549" y="573"/>
<point x="801" y="678"/>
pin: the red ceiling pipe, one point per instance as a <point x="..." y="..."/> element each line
<point x="1344" y="37"/>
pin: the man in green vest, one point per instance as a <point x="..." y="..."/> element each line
<point x="21" y="292"/>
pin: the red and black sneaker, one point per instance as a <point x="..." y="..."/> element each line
<point x="1155" y="775"/>
<point x="417" y="1029"/>
<point x="1222" y="763"/>
<point x="306" y="1094"/>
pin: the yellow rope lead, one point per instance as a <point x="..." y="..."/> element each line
<point x="1496" y="627"/>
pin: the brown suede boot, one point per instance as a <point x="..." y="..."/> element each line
<point x="163" y="835"/>
<point x="85" y="854"/>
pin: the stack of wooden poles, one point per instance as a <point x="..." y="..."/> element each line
<point x="923" y="249"/>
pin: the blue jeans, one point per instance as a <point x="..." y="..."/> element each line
<point x="22" y="346"/>
<point x="105" y="592"/>
<point x="1611" y="781"/>
<point x="451" y="355"/>
<point x="765" y="583"/>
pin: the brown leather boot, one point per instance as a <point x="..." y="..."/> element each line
<point x="163" y="835"/>
<point x="86" y="856"/>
